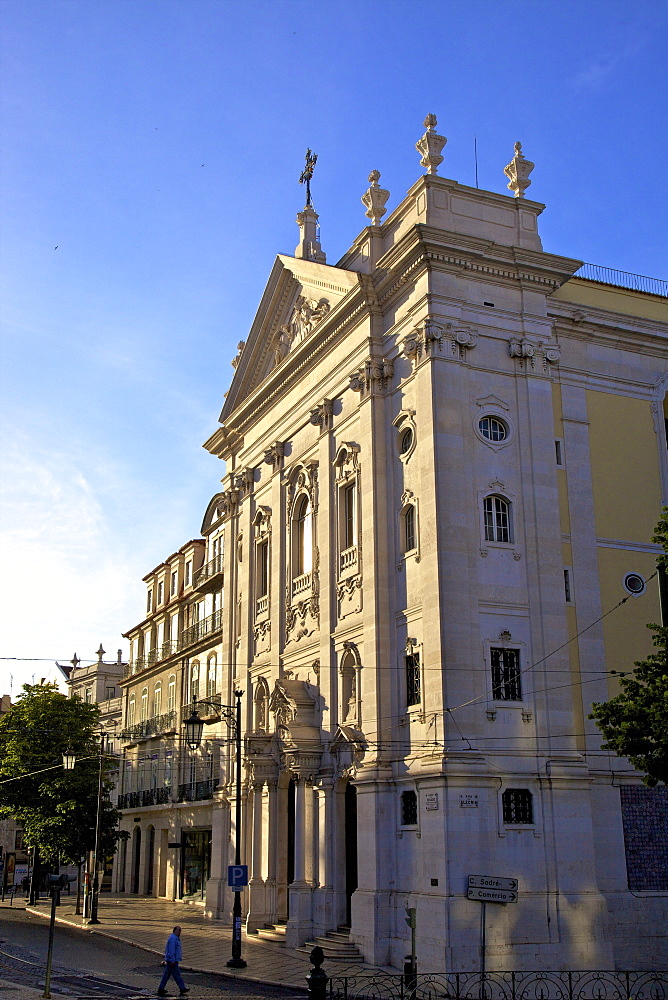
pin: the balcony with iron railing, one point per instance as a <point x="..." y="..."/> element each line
<point x="210" y="575"/>
<point x="147" y="728"/>
<point x="194" y="791"/>
<point x="147" y="797"/>
<point x="201" y="630"/>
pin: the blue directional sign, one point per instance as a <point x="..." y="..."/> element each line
<point x="237" y="877"/>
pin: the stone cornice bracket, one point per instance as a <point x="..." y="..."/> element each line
<point x="426" y="337"/>
<point x="374" y="199"/>
<point x="534" y="356"/>
<point x="372" y="377"/>
<point x="227" y="504"/>
<point x="321" y="416"/>
<point x="430" y="146"/>
<point x="240" y="350"/>
<point x="518" y="171"/>
<point x="274" y="454"/>
<point x="243" y="482"/>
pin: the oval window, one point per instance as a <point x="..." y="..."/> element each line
<point x="406" y="441"/>
<point x="493" y="429"/>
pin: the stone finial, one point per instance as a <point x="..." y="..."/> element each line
<point x="374" y="199"/>
<point x="100" y="653"/>
<point x="75" y="661"/>
<point x="430" y="146"/>
<point x="518" y="171"/>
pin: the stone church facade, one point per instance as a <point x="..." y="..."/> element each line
<point x="444" y="457"/>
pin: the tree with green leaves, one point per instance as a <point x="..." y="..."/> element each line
<point x="56" y="808"/>
<point x="635" y="722"/>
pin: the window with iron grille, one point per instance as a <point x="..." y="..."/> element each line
<point x="498" y="527"/>
<point x="506" y="685"/>
<point x="517" y="805"/>
<point x="413" y="692"/>
<point x="409" y="808"/>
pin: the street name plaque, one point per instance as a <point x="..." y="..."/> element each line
<point x="491" y="882"/>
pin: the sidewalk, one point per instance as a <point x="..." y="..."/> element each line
<point x="207" y="944"/>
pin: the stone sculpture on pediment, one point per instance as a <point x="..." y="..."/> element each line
<point x="306" y="315"/>
<point x="240" y="351"/>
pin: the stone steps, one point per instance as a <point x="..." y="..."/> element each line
<point x="272" y="932"/>
<point x="336" y="946"/>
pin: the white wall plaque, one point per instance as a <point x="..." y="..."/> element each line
<point x="468" y="801"/>
<point x="431" y="800"/>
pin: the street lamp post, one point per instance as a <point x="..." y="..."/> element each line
<point x="194" y="727"/>
<point x="98" y="826"/>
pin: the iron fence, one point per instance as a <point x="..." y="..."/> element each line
<point x="623" y="279"/>
<point x="195" y="791"/>
<point x="501" y="986"/>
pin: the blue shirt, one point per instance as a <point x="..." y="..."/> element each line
<point x="173" y="949"/>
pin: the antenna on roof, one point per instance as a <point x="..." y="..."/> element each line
<point x="475" y="153"/>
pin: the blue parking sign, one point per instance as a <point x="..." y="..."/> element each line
<point x="237" y="877"/>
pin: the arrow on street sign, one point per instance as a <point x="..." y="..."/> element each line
<point x="491" y="895"/>
<point x="492" y="882"/>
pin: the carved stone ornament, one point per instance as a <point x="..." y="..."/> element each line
<point x="424" y="339"/>
<point x="430" y="146"/>
<point x="462" y="340"/>
<point x="274" y="453"/>
<point x="306" y="314"/>
<point x="518" y="171"/>
<point x="227" y="504"/>
<point x="243" y="481"/>
<point x="240" y="351"/>
<point x="373" y="377"/>
<point x="262" y="521"/>
<point x="535" y="356"/>
<point x="374" y="199"/>
<point x="349" y="596"/>
<point x="302" y="479"/>
<point x="346" y="461"/>
<point x="321" y="416"/>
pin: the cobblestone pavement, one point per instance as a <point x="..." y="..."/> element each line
<point x="145" y="924"/>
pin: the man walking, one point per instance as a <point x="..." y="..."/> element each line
<point x="173" y="955"/>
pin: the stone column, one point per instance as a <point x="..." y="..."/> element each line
<point x="324" y="917"/>
<point x="256" y="896"/>
<point x="300" y="925"/>
<point x="272" y="849"/>
<point x="216" y="904"/>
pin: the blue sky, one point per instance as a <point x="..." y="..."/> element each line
<point x="157" y="144"/>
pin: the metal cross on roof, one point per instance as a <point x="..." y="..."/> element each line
<point x="307" y="174"/>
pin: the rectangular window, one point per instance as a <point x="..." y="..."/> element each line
<point x="111" y="693"/>
<point x="172" y="587"/>
<point x="262" y="569"/>
<point x="161" y="591"/>
<point x="497" y="519"/>
<point x="558" y="452"/>
<point x="567" y="586"/>
<point x="89" y="696"/>
<point x="506" y="675"/>
<point x="409" y="808"/>
<point x="517" y="806"/>
<point x="149" y="602"/>
<point x="349" y="516"/>
<point x="409" y="528"/>
<point x="189" y="571"/>
<point x="413" y="692"/>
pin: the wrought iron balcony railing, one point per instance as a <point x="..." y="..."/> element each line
<point x="194" y="791"/>
<point x="209" y="572"/>
<point x="150" y="727"/>
<point x="200" y="630"/>
<point x="145" y="797"/>
<point x="623" y="279"/>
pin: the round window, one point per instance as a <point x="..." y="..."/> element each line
<point x="406" y="441"/>
<point x="493" y="429"/>
<point x="634" y="584"/>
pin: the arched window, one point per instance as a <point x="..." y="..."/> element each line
<point x="157" y="698"/>
<point x="410" y="536"/>
<point x="303" y="537"/>
<point x="131" y="710"/>
<point x="211" y="677"/>
<point x="498" y="523"/>
<point x="143" y="712"/>
<point x="171" y="693"/>
<point x="194" y="681"/>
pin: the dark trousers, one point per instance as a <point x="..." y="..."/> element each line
<point x="172" y="969"/>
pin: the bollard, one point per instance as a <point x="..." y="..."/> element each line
<point x="317" y="980"/>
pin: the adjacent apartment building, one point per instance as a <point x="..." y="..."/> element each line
<point x="444" y="458"/>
